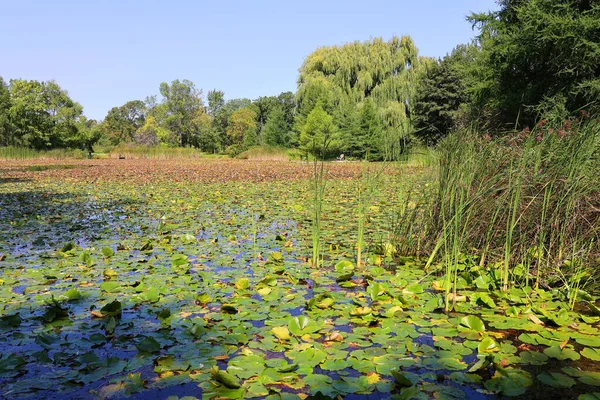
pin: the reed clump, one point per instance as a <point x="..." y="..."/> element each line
<point x="526" y="204"/>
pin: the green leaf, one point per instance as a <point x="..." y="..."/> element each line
<point x="556" y="379"/>
<point x="281" y="332"/>
<point x="561" y="354"/>
<point x="509" y="382"/>
<point x="401" y="379"/>
<point x="224" y="378"/>
<point x="474" y="323"/>
<point x="108" y="252"/>
<point x="487" y="345"/>
<point x="148" y="345"/>
<point x="113" y="308"/>
<point x="592" y="354"/>
<point x="302" y="325"/>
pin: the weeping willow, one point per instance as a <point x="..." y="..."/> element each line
<point x="343" y="77"/>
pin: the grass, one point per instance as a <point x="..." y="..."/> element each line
<point x="22" y="153"/>
<point x="157" y="152"/>
<point x="527" y="203"/>
<point x="267" y="153"/>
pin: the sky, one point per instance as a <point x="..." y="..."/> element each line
<point x="105" y="53"/>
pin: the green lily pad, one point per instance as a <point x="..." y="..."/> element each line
<point x="473" y="323"/>
<point x="556" y="379"/>
<point x="302" y="325"/>
<point x="562" y="353"/>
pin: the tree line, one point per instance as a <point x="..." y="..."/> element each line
<point x="530" y="60"/>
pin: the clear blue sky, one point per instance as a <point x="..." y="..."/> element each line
<point x="107" y="52"/>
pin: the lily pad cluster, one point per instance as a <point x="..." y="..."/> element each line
<point x="205" y="290"/>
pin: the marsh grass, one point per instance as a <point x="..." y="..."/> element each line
<point x="157" y="152"/>
<point x="22" y="153"/>
<point x="266" y="153"/>
<point x="366" y="190"/>
<point x="530" y="199"/>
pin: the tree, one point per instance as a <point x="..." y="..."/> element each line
<point x="121" y="123"/>
<point x="222" y="118"/>
<point x="6" y="138"/>
<point x="340" y="77"/>
<point x="151" y="133"/>
<point x="541" y="56"/>
<point x="42" y="115"/>
<point x="264" y="106"/>
<point x="443" y="94"/>
<point x="216" y="100"/>
<point x="207" y="138"/>
<point x="319" y="134"/>
<point x="276" y="131"/>
<point x="241" y="125"/>
<point x="182" y="102"/>
<point x="369" y="138"/>
<point x="89" y="132"/>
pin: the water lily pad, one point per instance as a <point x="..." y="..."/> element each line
<point x="561" y="353"/>
<point x="302" y="325"/>
<point x="591" y="353"/>
<point x="281" y="332"/>
<point x="556" y="379"/>
<point x="473" y="323"/>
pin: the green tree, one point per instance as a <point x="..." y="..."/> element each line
<point x="276" y="131"/>
<point x="242" y="127"/>
<point x="369" y="138"/>
<point x="338" y="77"/>
<point x="121" y="123"/>
<point x="5" y="104"/>
<point x="207" y="137"/>
<point x="42" y="115"/>
<point x="444" y="95"/>
<point x="151" y="133"/>
<point x="223" y="116"/>
<point x="541" y="56"/>
<point x="182" y="102"/>
<point x="319" y="135"/>
<point x="216" y="100"/>
<point x="264" y="106"/>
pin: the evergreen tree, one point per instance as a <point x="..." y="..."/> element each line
<point x="276" y="130"/>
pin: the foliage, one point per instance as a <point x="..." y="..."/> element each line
<point x="156" y="266"/>
<point x="443" y="94"/>
<point x="122" y="123"/>
<point x="541" y="59"/>
<point x="528" y="201"/>
<point x="182" y="102"/>
<point x="41" y="115"/>
<point x="276" y="131"/>
<point x="342" y="77"/>
<point x="319" y="134"/>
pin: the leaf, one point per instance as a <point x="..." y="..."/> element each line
<point x="148" y="345"/>
<point x="224" y="378"/>
<point x="108" y="252"/>
<point x="288" y="368"/>
<point x="487" y="345"/>
<point x="474" y="323"/>
<point x="592" y="354"/>
<point x="401" y="379"/>
<point x="228" y="309"/>
<point x="556" y="379"/>
<point x="112" y="309"/>
<point x="561" y="353"/>
<point x="302" y="325"/>
<point x="281" y="332"/>
<point x="242" y="284"/>
<point x="509" y="382"/>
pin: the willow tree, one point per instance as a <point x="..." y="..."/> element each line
<point x="346" y="76"/>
